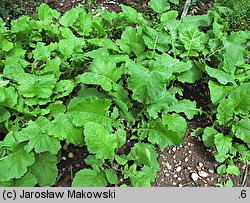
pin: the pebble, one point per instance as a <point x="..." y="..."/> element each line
<point x="175" y="176"/>
<point x="169" y="167"/>
<point x="61" y="4"/>
<point x="203" y="174"/>
<point x="174" y="149"/>
<point x="70" y="155"/>
<point x="179" y="179"/>
<point x="178" y="169"/>
<point x="174" y="183"/>
<point x="167" y="174"/>
<point x="186" y="160"/>
<point x="64" y="158"/>
<point x="77" y="165"/>
<point x="211" y="170"/>
<point x="189" y="151"/>
<point x="189" y="168"/>
<point x="194" y="176"/>
<point x="180" y="185"/>
<point x="200" y="164"/>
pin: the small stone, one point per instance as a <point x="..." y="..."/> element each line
<point x="169" y="167"/>
<point x="64" y="158"/>
<point x="174" y="183"/>
<point x="175" y="176"/>
<point x="211" y="170"/>
<point x="180" y="185"/>
<point x="77" y="165"/>
<point x="203" y="174"/>
<point x="174" y="149"/>
<point x="198" y="168"/>
<point x="189" y="168"/>
<point x="178" y="169"/>
<point x="167" y="174"/>
<point x="189" y="144"/>
<point x="179" y="179"/>
<point x="189" y="151"/>
<point x="200" y="164"/>
<point x="61" y="4"/>
<point x="186" y="159"/>
<point x="70" y="155"/>
<point x="194" y="176"/>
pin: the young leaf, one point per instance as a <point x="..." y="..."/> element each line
<point x="45" y="169"/>
<point x="223" y="145"/>
<point x="89" y="178"/>
<point x="100" y="141"/>
<point x="208" y="136"/>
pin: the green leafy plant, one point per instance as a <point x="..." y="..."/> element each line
<point x="73" y="78"/>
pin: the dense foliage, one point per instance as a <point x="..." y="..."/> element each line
<point x="112" y="82"/>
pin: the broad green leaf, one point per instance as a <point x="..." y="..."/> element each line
<point x="90" y="110"/>
<point x="36" y="86"/>
<point x="161" y="104"/>
<point x="131" y="14"/>
<point x="16" y="164"/>
<point x="225" y="111"/>
<point x="92" y="160"/>
<point x="121" y="137"/>
<point x="160" y="134"/>
<point x="63" y="129"/>
<point x="101" y="72"/>
<point x="45" y="13"/>
<point x="4" y="114"/>
<point x="242" y="106"/>
<point x="56" y="108"/>
<point x="111" y="177"/>
<point x="100" y="141"/>
<point x="186" y="106"/>
<point x="66" y="47"/>
<point x="191" y="75"/>
<point x="156" y="40"/>
<point x="232" y="169"/>
<point x="223" y="145"/>
<point x="52" y="66"/>
<point x="86" y="23"/>
<point x="138" y="178"/>
<point x="168" y="16"/>
<point x="159" y="6"/>
<point x="143" y="153"/>
<point x="41" y="52"/>
<point x="69" y="18"/>
<point x="192" y="39"/>
<point x="7" y="46"/>
<point x="175" y="123"/>
<point x="63" y="88"/>
<point x="208" y="136"/>
<point x="45" y="169"/>
<point x="220" y="75"/>
<point x="218" y="91"/>
<point x="242" y="130"/>
<point x="89" y="178"/>
<point x="107" y="43"/>
<point x="28" y="180"/>
<point x="233" y="56"/>
<point x="147" y="86"/>
<point x="131" y="41"/>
